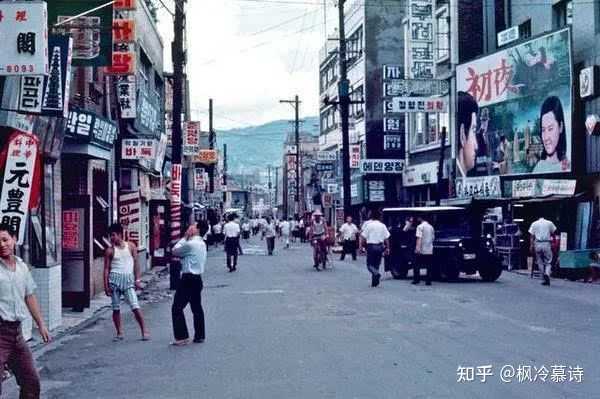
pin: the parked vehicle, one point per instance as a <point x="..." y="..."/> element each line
<point x="458" y="247"/>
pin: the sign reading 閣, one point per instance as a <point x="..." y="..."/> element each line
<point x="23" y="38"/>
<point x="19" y="183"/>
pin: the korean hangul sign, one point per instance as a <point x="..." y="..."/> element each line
<point x="92" y="33"/>
<point x="122" y="63"/>
<point x="381" y="166"/>
<point x="355" y="156"/>
<point x="30" y="95"/>
<point x="416" y="88"/>
<point x="138" y="149"/>
<point x="394" y="125"/>
<point x="391" y="72"/>
<point x="199" y="179"/>
<point x="207" y="157"/>
<point x="191" y="138"/>
<point x="416" y="104"/>
<point x="420" y="43"/>
<point x="149" y="116"/>
<point x="129" y="216"/>
<point x="481" y="187"/>
<point x="123" y="30"/>
<point x="125" y="5"/>
<point x="126" y="92"/>
<point x="175" y="188"/>
<point x="326" y="156"/>
<point x="87" y="127"/>
<point x="325" y="167"/>
<point x="393" y="142"/>
<point x="23" y="38"/>
<point x="20" y="183"/>
<point x="376" y="190"/>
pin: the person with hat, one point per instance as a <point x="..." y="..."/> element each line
<point x="318" y="231"/>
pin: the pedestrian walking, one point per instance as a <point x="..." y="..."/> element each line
<point x="349" y="234"/>
<point x="295" y="229"/>
<point x="375" y="241"/>
<point x="122" y="276"/>
<point x="540" y="244"/>
<point x="425" y="235"/>
<point x="269" y="234"/>
<point x="246" y="230"/>
<point x="17" y="299"/>
<point x="285" y="232"/>
<point x="317" y="233"/>
<point x="302" y="230"/>
<point x="231" y="230"/>
<point x="192" y="251"/>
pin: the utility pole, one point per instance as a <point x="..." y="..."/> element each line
<point x="344" y="107"/>
<point x="440" y="174"/>
<point x="211" y="145"/>
<point x="296" y="104"/>
<point x="224" y="172"/>
<point x="178" y="55"/>
<point x="270" y="186"/>
<point x="277" y="184"/>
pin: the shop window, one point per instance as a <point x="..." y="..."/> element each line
<point x="357" y="111"/>
<point x="525" y="29"/>
<point x="426" y="131"/>
<point x="354" y="46"/>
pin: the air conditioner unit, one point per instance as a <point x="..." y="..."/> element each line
<point x="129" y="179"/>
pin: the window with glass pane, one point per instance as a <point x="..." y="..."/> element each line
<point x="563" y="13"/>
<point x="443" y="34"/>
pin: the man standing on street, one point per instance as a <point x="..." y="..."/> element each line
<point x="16" y="300"/>
<point x="231" y="230"/>
<point x="285" y="232"/>
<point x="424" y="251"/>
<point x="121" y="278"/>
<point x="192" y="251"/>
<point x="375" y="238"/>
<point x="349" y="232"/>
<point x="540" y="244"/>
<point x="269" y="234"/>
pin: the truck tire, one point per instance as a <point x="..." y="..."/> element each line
<point x="491" y="272"/>
<point x="450" y="271"/>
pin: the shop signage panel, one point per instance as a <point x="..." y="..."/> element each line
<point x="508" y="36"/>
<point x="421" y="35"/>
<point x="191" y="138"/>
<point x="149" y="117"/>
<point x="207" y="157"/>
<point x="126" y="92"/>
<point x="381" y="166"/>
<point x="18" y="183"/>
<point x="558" y="187"/>
<point x="587" y="82"/>
<point x="420" y="174"/>
<point x="73" y="230"/>
<point x="125" y="5"/>
<point x="129" y="216"/>
<point x="394" y="124"/>
<point x="479" y="187"/>
<point x="325" y="167"/>
<point x="86" y="127"/>
<point x="137" y="149"/>
<point x="354" y="156"/>
<point x="122" y="63"/>
<point x="511" y="89"/>
<point x="416" y="104"/>
<point x="393" y="142"/>
<point x="199" y="179"/>
<point x="123" y="30"/>
<point x="393" y="72"/>
<point x="333" y="188"/>
<point x="92" y="33"/>
<point x="325" y="156"/>
<point x="416" y="88"/>
<point x="24" y="38"/>
<point x="376" y="190"/>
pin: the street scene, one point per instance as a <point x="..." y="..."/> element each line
<point x="299" y="198"/>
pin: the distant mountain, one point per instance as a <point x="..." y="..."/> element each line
<point x="251" y="149"/>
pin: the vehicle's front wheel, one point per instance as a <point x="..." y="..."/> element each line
<point x="491" y="271"/>
<point x="450" y="270"/>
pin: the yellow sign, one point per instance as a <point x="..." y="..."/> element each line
<point x="207" y="157"/>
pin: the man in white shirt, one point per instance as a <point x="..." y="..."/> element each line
<point x="217" y="233"/>
<point x="285" y="232"/>
<point x="269" y="234"/>
<point x="231" y="231"/>
<point x="192" y="251"/>
<point x="375" y="238"/>
<point x="540" y="244"/>
<point x="424" y="251"/>
<point x="348" y="233"/>
<point x="246" y="230"/>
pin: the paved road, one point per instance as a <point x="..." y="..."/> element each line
<point x="278" y="329"/>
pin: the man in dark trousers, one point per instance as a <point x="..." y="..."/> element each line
<point x="425" y="235"/>
<point x="192" y="251"/>
<point x="349" y="233"/>
<point x="375" y="241"/>
<point x="231" y="230"/>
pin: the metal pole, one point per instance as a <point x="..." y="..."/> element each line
<point x="344" y="104"/>
<point x="211" y="144"/>
<point x="297" y="133"/>
<point x="66" y="21"/>
<point x="440" y="174"/>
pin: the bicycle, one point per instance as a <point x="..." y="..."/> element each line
<point x="320" y="253"/>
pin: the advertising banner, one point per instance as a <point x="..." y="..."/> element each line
<point x="126" y="91"/>
<point x="479" y="187"/>
<point x="521" y="99"/>
<point x="129" y="216"/>
<point x="542" y="187"/>
<point x="24" y="34"/>
<point x="381" y="166"/>
<point x="149" y="116"/>
<point x="84" y="126"/>
<point x="137" y="149"/>
<point x="420" y="174"/>
<point x="420" y="45"/>
<point x="207" y="157"/>
<point x="354" y="156"/>
<point x="191" y="138"/>
<point x="92" y="33"/>
<point x="416" y="104"/>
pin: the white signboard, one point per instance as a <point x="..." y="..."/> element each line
<point x="416" y="87"/>
<point x="420" y="43"/>
<point x="326" y="156"/>
<point x="126" y="92"/>
<point x="420" y="174"/>
<point x="191" y="138"/>
<point x="199" y="179"/>
<point x="393" y="72"/>
<point x="129" y="216"/>
<point x="376" y="190"/>
<point x="17" y="183"/>
<point x="416" y="104"/>
<point x="558" y="187"/>
<point x="139" y="149"/>
<point x="508" y="36"/>
<point x="24" y="38"/>
<point x="30" y="95"/>
<point x="354" y="156"/>
<point x="381" y="166"/>
<point x="161" y="151"/>
<point x="479" y="187"/>
<point x="354" y="190"/>
<point x="393" y="125"/>
<point x="587" y="82"/>
<point x="175" y="188"/>
<point x="523" y="188"/>
<point x="333" y="188"/>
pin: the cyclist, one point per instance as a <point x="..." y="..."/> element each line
<point x="318" y="239"/>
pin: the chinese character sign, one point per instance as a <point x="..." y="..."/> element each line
<point x="522" y="99"/>
<point x="20" y="182"/>
<point x="126" y="92"/>
<point x="72" y="230"/>
<point x="420" y="45"/>
<point x="23" y="38"/>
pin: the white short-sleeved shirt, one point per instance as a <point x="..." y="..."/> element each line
<point x="217" y="228"/>
<point x="14" y="287"/>
<point x="285" y="228"/>
<point x="426" y="233"/>
<point x="542" y="229"/>
<point x="375" y="232"/>
<point x="231" y="230"/>
<point x="348" y="231"/>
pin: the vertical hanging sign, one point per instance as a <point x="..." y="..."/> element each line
<point x="420" y="49"/>
<point x="175" y="202"/>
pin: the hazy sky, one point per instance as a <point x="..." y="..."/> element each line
<point x="249" y="54"/>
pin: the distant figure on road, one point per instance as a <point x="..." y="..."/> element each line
<point x="425" y="235"/>
<point x="302" y="230"/>
<point x="192" y="251"/>
<point x="17" y="302"/>
<point x="269" y="234"/>
<point x="231" y="230"/>
<point x="285" y="232"/>
<point x="375" y="240"/>
<point x="217" y="233"/>
<point x="349" y="233"/>
<point x="318" y="240"/>
<point x="246" y="230"/>
<point x="540" y="244"/>
<point x="121" y="278"/>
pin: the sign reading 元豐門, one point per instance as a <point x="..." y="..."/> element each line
<point x="381" y="166"/>
<point x="520" y="93"/>
<point x="24" y="38"/>
<point x="19" y="183"/>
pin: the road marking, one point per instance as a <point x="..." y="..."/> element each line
<point x="260" y="292"/>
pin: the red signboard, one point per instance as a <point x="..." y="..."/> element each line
<point x="123" y="63"/>
<point x="71" y="227"/>
<point x="124" y="5"/>
<point x="123" y="31"/>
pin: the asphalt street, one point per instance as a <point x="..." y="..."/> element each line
<point x="279" y="329"/>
